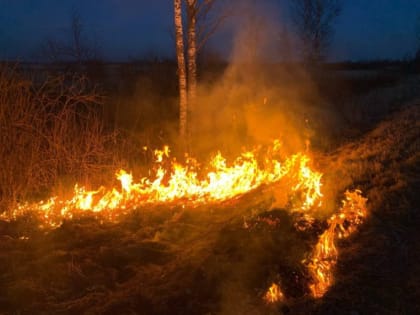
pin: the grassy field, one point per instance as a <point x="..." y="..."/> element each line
<point x="220" y="258"/>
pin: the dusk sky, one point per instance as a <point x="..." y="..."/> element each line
<point x="124" y="29"/>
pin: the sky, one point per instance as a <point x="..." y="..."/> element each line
<point x="128" y="29"/>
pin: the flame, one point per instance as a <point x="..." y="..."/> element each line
<point x="220" y="180"/>
<point x="325" y="254"/>
<point x="172" y="181"/>
<point x="273" y="294"/>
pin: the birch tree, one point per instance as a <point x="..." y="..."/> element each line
<point x="182" y="77"/>
<point x="192" y="53"/>
<point x="200" y="26"/>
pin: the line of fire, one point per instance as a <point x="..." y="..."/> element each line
<point x="209" y="157"/>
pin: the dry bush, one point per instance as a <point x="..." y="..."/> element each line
<point x="50" y="130"/>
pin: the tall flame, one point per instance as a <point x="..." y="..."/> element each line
<point x="172" y="181"/>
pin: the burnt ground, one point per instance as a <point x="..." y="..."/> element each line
<point x="220" y="259"/>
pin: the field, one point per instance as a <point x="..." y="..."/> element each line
<point x="363" y="132"/>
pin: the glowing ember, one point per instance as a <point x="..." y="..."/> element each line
<point x="172" y="181"/>
<point x="273" y="294"/>
<point x="324" y="256"/>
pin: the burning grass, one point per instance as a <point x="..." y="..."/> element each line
<point x="176" y="194"/>
<point x="173" y="182"/>
<point x="376" y="271"/>
<point x="263" y="233"/>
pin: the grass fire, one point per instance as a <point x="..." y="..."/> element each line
<point x="189" y="185"/>
<point x="281" y="226"/>
<point x="210" y="182"/>
<point x="181" y="184"/>
<point x="267" y="228"/>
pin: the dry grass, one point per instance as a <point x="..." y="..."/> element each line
<point x="361" y="112"/>
<point x="378" y="273"/>
<point x="51" y="131"/>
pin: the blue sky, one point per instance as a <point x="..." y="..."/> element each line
<point x="374" y="29"/>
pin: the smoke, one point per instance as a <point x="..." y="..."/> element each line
<point x="258" y="98"/>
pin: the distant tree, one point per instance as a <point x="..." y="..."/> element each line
<point x="76" y="48"/>
<point x="313" y="21"/>
<point x="79" y="49"/>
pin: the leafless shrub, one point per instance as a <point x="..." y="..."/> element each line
<point x="48" y="131"/>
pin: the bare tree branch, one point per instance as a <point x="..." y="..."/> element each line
<point x="313" y="20"/>
<point x="211" y="14"/>
<point x="76" y="48"/>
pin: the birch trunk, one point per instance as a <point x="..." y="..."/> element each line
<point x="192" y="54"/>
<point x="182" y="77"/>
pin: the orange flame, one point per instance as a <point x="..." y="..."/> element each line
<point x="188" y="183"/>
<point x="219" y="181"/>
<point x="324" y="256"/>
<point x="273" y="294"/>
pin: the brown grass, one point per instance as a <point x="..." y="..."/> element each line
<point x="51" y="129"/>
<point x="377" y="269"/>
